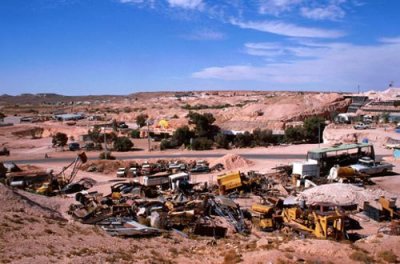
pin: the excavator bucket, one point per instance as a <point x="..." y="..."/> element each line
<point x="82" y="156"/>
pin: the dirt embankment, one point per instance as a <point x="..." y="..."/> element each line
<point x="378" y="135"/>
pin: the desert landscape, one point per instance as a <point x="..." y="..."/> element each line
<point x="48" y="226"/>
<point x="199" y="131"/>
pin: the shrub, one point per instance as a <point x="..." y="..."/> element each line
<point x="244" y="140"/>
<point x="122" y="144"/>
<point x="222" y="141"/>
<point x="201" y="143"/>
<point x="59" y="139"/>
<point x="141" y="120"/>
<point x="37" y="132"/>
<point x="106" y="155"/>
<point x="135" y="133"/>
<point x="388" y="256"/>
<point x="231" y="257"/>
<point x="166" y="144"/>
<point x="263" y="137"/>
<point x="294" y="134"/>
<point x="361" y="257"/>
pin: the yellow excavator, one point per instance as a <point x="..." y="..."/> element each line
<point x="60" y="180"/>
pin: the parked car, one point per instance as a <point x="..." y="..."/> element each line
<point x="361" y="126"/>
<point x="74" y="146"/>
<point x="134" y="171"/>
<point x="176" y="166"/>
<point x="371" y="167"/>
<point x="200" y="169"/>
<point x="121" y="173"/>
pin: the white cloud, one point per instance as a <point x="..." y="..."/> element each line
<point x="333" y="66"/>
<point x="331" y="12"/>
<point x="205" y="34"/>
<point x="276" y="7"/>
<point x="287" y="29"/>
<point x="131" y="1"/>
<point x="395" y="40"/>
<point x="186" y="4"/>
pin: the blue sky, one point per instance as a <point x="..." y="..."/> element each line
<point x="79" y="47"/>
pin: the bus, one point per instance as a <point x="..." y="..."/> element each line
<point x="342" y="155"/>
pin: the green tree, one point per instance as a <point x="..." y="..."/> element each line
<point x="263" y="137"/>
<point x="135" y="133"/>
<point x="294" y="134"/>
<point x="59" y="139"/>
<point x="182" y="135"/>
<point x="312" y="126"/>
<point x="2" y="116"/>
<point x="202" y="143"/>
<point x="141" y="120"/>
<point x="95" y="135"/>
<point x="203" y="124"/>
<point x="123" y="144"/>
<point x="222" y="141"/>
<point x="244" y="140"/>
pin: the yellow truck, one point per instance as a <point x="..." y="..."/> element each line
<point x="229" y="181"/>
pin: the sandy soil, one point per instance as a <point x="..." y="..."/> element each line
<point x="30" y="232"/>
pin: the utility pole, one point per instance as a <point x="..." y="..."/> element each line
<point x="148" y="132"/>
<point x="105" y="142"/>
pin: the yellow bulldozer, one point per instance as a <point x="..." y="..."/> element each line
<point x="322" y="225"/>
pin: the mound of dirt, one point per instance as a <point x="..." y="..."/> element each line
<point x="232" y="162"/>
<point x="342" y="194"/>
<point x="16" y="200"/>
<point x="103" y="166"/>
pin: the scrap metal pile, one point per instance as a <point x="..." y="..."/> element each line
<point x="46" y="182"/>
<point x="133" y="209"/>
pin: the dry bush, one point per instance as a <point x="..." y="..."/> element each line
<point x="388" y="256"/>
<point x="289" y="249"/>
<point x="174" y="252"/>
<point x="361" y="257"/>
<point x="231" y="257"/>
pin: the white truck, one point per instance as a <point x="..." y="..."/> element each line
<point x="163" y="179"/>
<point x="361" y="126"/>
<point x="371" y="167"/>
